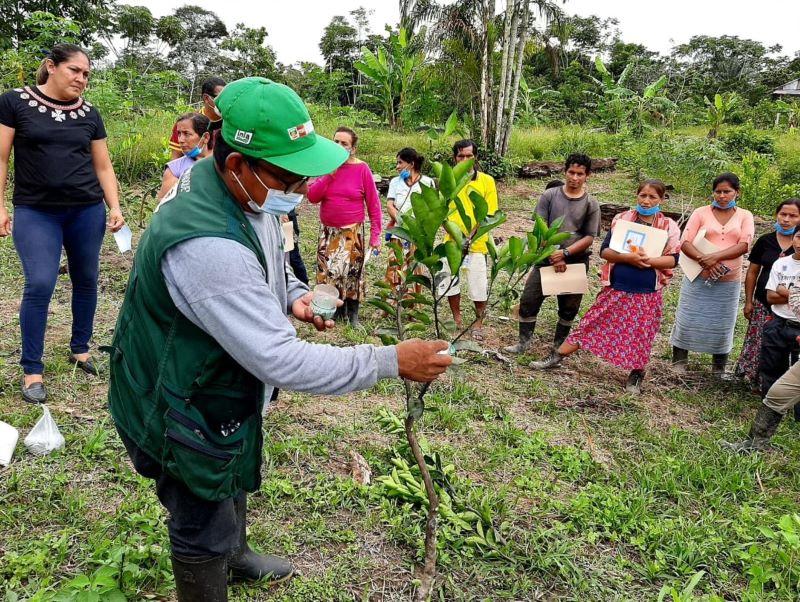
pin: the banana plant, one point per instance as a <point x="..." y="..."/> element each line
<point x="411" y="313"/>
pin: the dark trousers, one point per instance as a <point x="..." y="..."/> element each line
<point x="39" y="235"/>
<point x="778" y="343"/>
<point x="196" y="527"/>
<point x="532" y="299"/>
<point x="295" y="259"/>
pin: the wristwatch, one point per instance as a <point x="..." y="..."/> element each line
<point x="565" y="251"/>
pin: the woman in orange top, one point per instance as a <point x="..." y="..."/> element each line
<point x="708" y="305"/>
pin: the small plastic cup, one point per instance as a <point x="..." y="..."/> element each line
<point x="323" y="301"/>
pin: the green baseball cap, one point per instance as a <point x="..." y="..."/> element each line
<point x="267" y="120"/>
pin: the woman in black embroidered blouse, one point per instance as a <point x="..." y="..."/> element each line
<point x="62" y="175"/>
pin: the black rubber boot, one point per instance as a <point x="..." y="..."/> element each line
<point x="718" y="363"/>
<point x="351" y="306"/>
<point x="525" y="334"/>
<point x="758" y="439"/>
<point x="796" y="412"/>
<point x="680" y="359"/>
<point x="200" y="578"/>
<point x="246" y="565"/>
<point x="634" y="384"/>
<point x="561" y="334"/>
<point x="341" y="312"/>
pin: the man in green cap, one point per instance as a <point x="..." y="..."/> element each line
<point x="202" y="340"/>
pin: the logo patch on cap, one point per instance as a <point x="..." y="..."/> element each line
<point x="300" y="131"/>
<point x="243" y="137"/>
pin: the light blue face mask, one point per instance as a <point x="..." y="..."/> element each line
<point x="194" y="153"/>
<point x="647" y="210"/>
<point x="731" y="205"/>
<point x="404" y="175"/>
<point x="785" y="232"/>
<point x="276" y="202"/>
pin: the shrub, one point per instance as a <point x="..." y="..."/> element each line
<point x="745" y="138"/>
<point x="762" y="189"/>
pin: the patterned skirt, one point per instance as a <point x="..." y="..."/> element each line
<point x="340" y="260"/>
<point x="620" y="327"/>
<point x="393" y="268"/>
<point x="749" y="363"/>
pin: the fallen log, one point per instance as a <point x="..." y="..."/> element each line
<point x="544" y="169"/>
<point x="609" y="210"/>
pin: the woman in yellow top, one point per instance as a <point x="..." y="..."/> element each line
<point x="474" y="267"/>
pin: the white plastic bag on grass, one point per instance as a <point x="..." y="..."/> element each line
<point x="44" y="436"/>
<point x="8" y="441"/>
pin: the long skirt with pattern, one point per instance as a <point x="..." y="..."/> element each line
<point x="620" y="327"/>
<point x="748" y="363"/>
<point x="340" y="260"/>
<point x="393" y="268"/>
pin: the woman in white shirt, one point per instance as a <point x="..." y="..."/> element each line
<point x="409" y="164"/>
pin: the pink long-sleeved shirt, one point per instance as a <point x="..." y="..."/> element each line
<point x="343" y="195"/>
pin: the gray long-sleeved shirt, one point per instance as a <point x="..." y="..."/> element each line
<point x="219" y="285"/>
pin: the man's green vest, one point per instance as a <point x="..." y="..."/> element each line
<point x="173" y="389"/>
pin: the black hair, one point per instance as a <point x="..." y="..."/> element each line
<point x="410" y="155"/>
<point x="211" y="84"/>
<point x="465" y="143"/>
<point x="655" y="184"/>
<point x="579" y="159"/>
<point x="221" y="151"/>
<point x="59" y="54"/>
<point x="794" y="201"/>
<point x="200" y="123"/>
<point x="553" y="184"/>
<point x="729" y="178"/>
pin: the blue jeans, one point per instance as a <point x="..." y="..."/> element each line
<point x="39" y="235"/>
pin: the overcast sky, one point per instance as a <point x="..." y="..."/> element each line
<point x="295" y="26"/>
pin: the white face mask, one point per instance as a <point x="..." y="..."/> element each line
<point x="276" y="202"/>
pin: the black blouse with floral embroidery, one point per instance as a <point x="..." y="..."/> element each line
<point x="52" y="148"/>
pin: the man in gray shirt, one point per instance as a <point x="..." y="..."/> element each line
<point x="581" y="214"/>
<point x="203" y="339"/>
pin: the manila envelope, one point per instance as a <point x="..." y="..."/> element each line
<point x="571" y="282"/>
<point x="689" y="266"/>
<point x="629" y="234"/>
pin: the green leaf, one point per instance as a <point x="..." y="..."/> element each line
<point x="420" y="279"/>
<point x="462" y="213"/>
<point x="479" y="206"/>
<point x="447" y="181"/>
<point x="540" y="229"/>
<point x="463" y="169"/>
<point x="557" y="239"/>
<point x="455" y="233"/>
<point x="454" y="257"/>
<point x="462" y="345"/>
<point x="515" y="247"/>
<point x="490" y="224"/>
<point x="533" y="241"/>
<point x="451" y="124"/>
<point x="416" y="327"/>
<point x="380" y="304"/>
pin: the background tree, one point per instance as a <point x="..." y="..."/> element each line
<point x="16" y="29"/>
<point x="204" y="32"/>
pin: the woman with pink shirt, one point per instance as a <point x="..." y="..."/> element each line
<point x="342" y="196"/>
<point x="708" y="306"/>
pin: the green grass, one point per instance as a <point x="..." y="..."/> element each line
<point x="592" y="494"/>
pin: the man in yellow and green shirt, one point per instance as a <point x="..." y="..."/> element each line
<point x="474" y="267"/>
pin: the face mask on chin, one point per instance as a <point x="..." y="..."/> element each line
<point x="194" y="153"/>
<point x="275" y="203"/>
